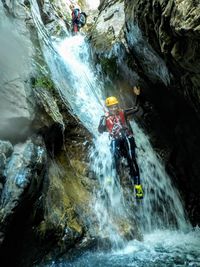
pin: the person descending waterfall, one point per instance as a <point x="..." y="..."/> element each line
<point x="122" y="141"/>
<point x="76" y="11"/>
<point x="78" y="17"/>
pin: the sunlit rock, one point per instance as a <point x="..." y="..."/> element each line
<point x="16" y="101"/>
<point x="108" y="26"/>
<point x="123" y="51"/>
<point x="66" y="206"/>
<point x="48" y="103"/>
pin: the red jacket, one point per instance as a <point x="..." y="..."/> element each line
<point x="116" y="125"/>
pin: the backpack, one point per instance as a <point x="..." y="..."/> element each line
<point x="82" y="19"/>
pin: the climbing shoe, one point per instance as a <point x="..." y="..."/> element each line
<point x="139" y="191"/>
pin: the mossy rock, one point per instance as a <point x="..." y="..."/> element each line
<point x="44" y="82"/>
<point x="109" y="66"/>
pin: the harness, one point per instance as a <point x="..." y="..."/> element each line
<point x="117" y="126"/>
<point x="78" y="19"/>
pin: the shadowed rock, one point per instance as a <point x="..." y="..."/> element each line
<point x="23" y="174"/>
<point x="6" y="150"/>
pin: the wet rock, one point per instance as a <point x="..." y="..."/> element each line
<point x="107" y="36"/>
<point x="66" y="207"/>
<point x="69" y="235"/>
<point x="56" y="16"/>
<point x="174" y="35"/>
<point x="23" y="173"/>
<point x="124" y="53"/>
<point x="47" y="102"/>
<point x="6" y="150"/>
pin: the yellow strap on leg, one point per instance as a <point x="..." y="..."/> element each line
<point x="139" y="191"/>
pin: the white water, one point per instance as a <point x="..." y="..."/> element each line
<point x="162" y="206"/>
<point x="85" y="98"/>
<point x="159" y="249"/>
<point x="82" y="91"/>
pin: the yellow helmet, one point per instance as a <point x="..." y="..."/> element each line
<point x="111" y="101"/>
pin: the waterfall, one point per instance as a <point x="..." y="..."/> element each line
<point x="82" y="91"/>
<point x="162" y="206"/>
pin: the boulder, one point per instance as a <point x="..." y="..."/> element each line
<point x="23" y="177"/>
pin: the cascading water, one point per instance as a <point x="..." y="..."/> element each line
<point x="80" y="89"/>
<point x="162" y="207"/>
<point x="85" y="99"/>
<point x="109" y="204"/>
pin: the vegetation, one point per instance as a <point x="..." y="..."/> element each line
<point x="109" y="66"/>
<point x="44" y="82"/>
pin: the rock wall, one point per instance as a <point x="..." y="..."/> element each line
<point x="172" y="28"/>
<point x="16" y="103"/>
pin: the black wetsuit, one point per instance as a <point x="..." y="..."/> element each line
<point x="123" y="145"/>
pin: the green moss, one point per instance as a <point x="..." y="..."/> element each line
<point x="44" y="82"/>
<point x="58" y="27"/>
<point x="109" y="66"/>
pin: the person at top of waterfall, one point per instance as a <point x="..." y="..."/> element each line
<point x="115" y="122"/>
<point x="78" y="17"/>
<point x="76" y="11"/>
